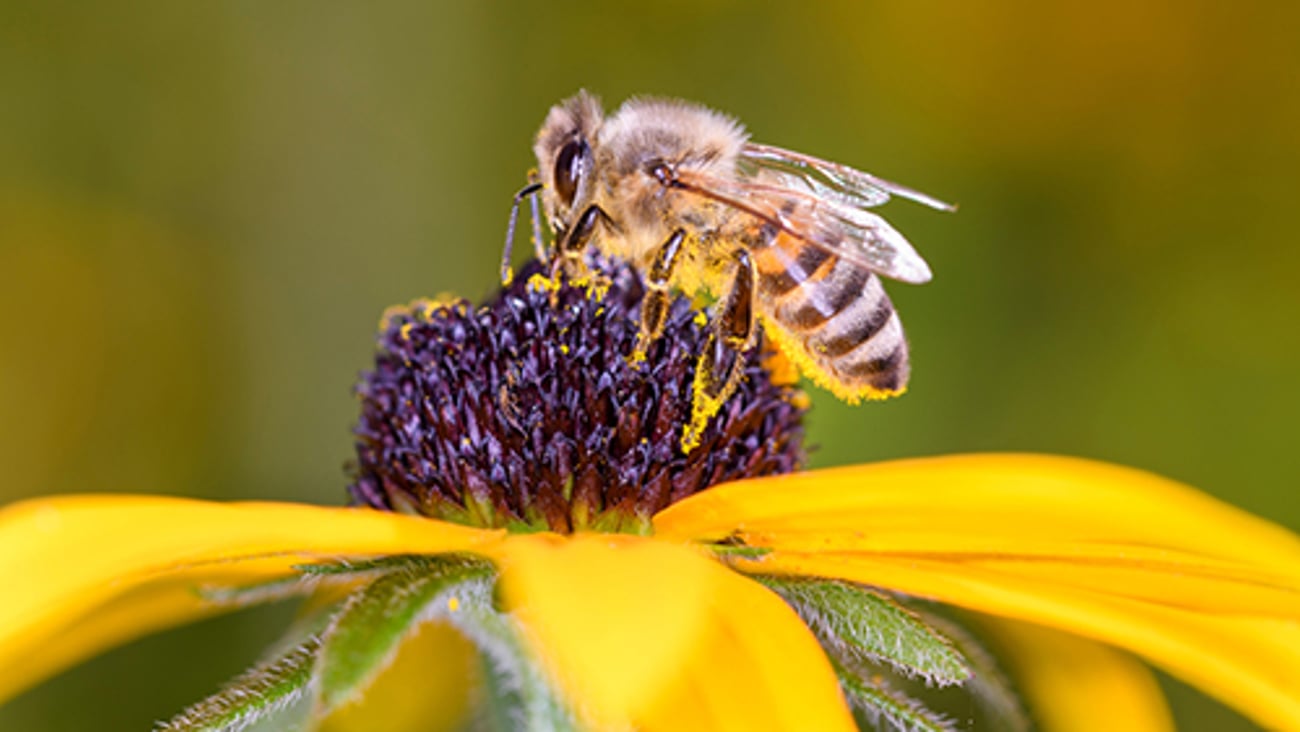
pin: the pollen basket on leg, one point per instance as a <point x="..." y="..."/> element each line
<point x="525" y="413"/>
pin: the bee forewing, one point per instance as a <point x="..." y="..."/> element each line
<point x="784" y="200"/>
<point x="849" y="184"/>
<point x="902" y="191"/>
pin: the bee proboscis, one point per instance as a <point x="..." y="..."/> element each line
<point x="778" y="237"/>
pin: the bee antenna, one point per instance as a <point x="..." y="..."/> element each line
<point x="507" y="274"/>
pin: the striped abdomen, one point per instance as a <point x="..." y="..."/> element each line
<point x="837" y="313"/>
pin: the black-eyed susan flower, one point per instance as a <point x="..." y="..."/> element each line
<point x="539" y="516"/>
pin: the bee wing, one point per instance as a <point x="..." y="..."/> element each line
<point x="833" y="180"/>
<point x="830" y="222"/>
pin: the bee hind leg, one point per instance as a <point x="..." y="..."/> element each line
<point x="654" y="307"/>
<point x="722" y="364"/>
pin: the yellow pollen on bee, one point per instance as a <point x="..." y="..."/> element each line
<point x="702" y="410"/>
<point x="703" y="407"/>
<point x="782" y="370"/>
<point x="796" y="354"/>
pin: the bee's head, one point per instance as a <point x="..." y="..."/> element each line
<point x="565" y="159"/>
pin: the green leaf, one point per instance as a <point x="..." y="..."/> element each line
<point x="365" y="634"/>
<point x="267" y="690"/>
<point x="855" y="624"/>
<point x="881" y="704"/>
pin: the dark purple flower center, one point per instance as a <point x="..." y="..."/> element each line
<point x="525" y="412"/>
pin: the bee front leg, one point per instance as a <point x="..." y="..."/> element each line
<point x="573" y="246"/>
<point x="722" y="364"/>
<point x="540" y="248"/>
<point x="654" y="307"/>
<point x="530" y="192"/>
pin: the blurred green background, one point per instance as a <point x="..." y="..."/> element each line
<point x="204" y="207"/>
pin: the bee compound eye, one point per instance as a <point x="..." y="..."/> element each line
<point x="570" y="164"/>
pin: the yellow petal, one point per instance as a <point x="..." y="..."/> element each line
<point x="1207" y="591"/>
<point x="148" y="607"/>
<point x="82" y="573"/>
<point x="981" y="498"/>
<point x="760" y="669"/>
<point x="618" y="617"/>
<point x="655" y="636"/>
<point x="1075" y="685"/>
<point x="1251" y="663"/>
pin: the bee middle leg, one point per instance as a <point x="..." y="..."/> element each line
<point x="722" y="364"/>
<point x="654" y="307"/>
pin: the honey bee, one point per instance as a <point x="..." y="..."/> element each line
<point x="780" y="238"/>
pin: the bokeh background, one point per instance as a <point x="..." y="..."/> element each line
<point x="204" y="207"/>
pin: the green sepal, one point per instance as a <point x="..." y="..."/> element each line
<point x="257" y="593"/>
<point x="990" y="688"/>
<point x="857" y="625"/>
<point x="364" y="636"/>
<point x="739" y="551"/>
<point x="518" y="694"/>
<point x="879" y="703"/>
<point x="359" y="566"/>
<point x="268" y="690"/>
<point x="734" y="546"/>
<point x="620" y="521"/>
